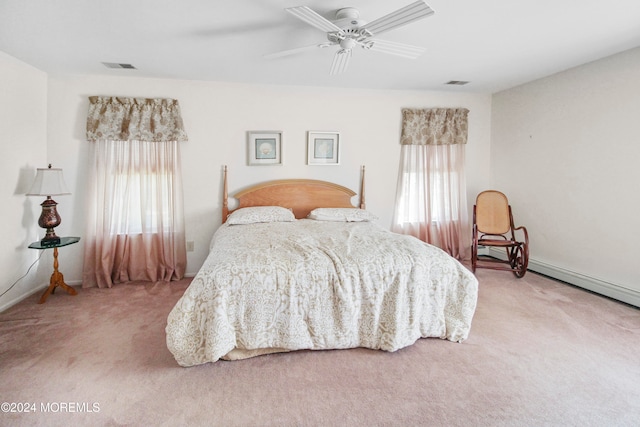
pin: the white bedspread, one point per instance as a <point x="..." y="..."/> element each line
<point x="318" y="285"/>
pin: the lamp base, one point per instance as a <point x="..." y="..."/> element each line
<point x="50" y="241"/>
<point x="49" y="219"/>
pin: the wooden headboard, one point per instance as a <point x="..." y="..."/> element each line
<point x="300" y="195"/>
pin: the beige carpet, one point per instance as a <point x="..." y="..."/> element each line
<point x="541" y="353"/>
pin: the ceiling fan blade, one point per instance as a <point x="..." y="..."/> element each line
<point x="393" y="48"/>
<point x="296" y="50"/>
<point x="340" y="61"/>
<point x="312" y="18"/>
<point x="404" y="16"/>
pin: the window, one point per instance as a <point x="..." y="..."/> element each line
<point x="441" y="206"/>
<point x="145" y="205"/>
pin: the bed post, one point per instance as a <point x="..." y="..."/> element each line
<point x="363" y="205"/>
<point x="225" y="196"/>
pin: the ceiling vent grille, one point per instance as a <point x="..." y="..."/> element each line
<point x="457" y="82"/>
<point x="119" y="66"/>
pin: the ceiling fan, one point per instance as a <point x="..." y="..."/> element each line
<point x="348" y="31"/>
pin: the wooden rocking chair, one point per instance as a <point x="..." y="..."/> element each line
<point x="493" y="227"/>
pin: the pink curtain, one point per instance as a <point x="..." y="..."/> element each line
<point x="135" y="218"/>
<point x="431" y="192"/>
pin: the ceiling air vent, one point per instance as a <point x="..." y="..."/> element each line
<point x="457" y="82"/>
<point x="120" y="66"/>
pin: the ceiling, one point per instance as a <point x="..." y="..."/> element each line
<point x="493" y="44"/>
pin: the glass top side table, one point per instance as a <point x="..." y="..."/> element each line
<point x="57" y="279"/>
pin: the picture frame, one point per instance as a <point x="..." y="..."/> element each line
<point x="323" y="148"/>
<point x="264" y="147"/>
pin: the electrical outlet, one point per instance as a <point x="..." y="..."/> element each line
<point x="190" y="246"/>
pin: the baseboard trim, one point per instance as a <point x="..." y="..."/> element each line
<point x="27" y="294"/>
<point x="599" y="286"/>
<point x="19" y="298"/>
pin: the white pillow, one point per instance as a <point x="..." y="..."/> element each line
<point x="341" y="214"/>
<point x="257" y="214"/>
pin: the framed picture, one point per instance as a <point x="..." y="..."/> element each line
<point x="323" y="148"/>
<point x="264" y="147"/>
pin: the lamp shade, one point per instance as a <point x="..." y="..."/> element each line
<point x="48" y="182"/>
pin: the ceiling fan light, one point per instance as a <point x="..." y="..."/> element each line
<point x="347" y="43"/>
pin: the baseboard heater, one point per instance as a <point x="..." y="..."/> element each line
<point x="611" y="290"/>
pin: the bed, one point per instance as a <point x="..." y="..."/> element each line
<point x="296" y="266"/>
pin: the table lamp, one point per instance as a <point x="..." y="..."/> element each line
<point x="49" y="182"/>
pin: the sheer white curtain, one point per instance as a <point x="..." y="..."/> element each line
<point x="431" y="192"/>
<point x="135" y="218"/>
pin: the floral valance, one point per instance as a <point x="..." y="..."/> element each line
<point x="434" y="126"/>
<point x="141" y="119"/>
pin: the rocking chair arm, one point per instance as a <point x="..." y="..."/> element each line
<point x="524" y="231"/>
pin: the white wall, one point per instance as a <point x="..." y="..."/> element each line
<point x="565" y="149"/>
<point x="23" y="118"/>
<point x="217" y="117"/>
